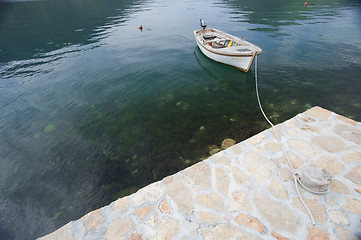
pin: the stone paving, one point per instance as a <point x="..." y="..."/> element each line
<point x="246" y="191"/>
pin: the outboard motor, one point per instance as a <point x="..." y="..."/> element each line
<point x="203" y="23"/>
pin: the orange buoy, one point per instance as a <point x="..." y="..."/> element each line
<point x="140" y="27"/>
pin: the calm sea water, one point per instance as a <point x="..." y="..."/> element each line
<point x="92" y="108"/>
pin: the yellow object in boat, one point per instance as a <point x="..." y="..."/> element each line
<point x="230" y="43"/>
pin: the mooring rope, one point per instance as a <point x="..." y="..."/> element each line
<point x="295" y="175"/>
<point x="273" y="127"/>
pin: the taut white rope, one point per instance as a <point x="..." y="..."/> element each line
<point x="295" y="175"/>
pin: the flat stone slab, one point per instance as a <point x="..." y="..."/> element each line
<point x="246" y="191"/>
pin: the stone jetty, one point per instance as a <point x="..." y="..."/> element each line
<point x="246" y="191"/>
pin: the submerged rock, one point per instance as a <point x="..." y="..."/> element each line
<point x="308" y="106"/>
<point x="213" y="149"/>
<point x="228" y="142"/>
<point x="49" y="128"/>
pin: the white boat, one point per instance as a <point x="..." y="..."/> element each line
<point x="225" y="48"/>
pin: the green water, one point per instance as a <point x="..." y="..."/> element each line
<point x="92" y="108"/>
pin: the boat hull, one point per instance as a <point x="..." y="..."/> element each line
<point x="240" y="55"/>
<point x="241" y="62"/>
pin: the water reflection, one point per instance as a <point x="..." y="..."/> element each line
<point x="241" y="82"/>
<point x="36" y="33"/>
<point x="270" y="16"/>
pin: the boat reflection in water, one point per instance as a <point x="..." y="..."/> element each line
<point x="227" y="76"/>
